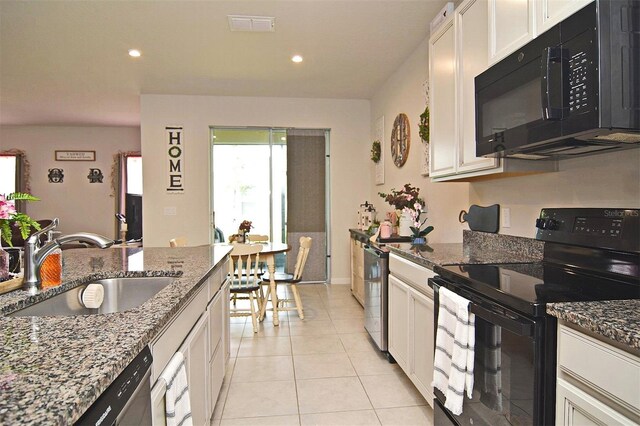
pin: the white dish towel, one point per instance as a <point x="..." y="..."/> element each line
<point x="177" y="403"/>
<point x="455" y="341"/>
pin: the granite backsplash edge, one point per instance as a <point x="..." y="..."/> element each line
<point x="476" y="240"/>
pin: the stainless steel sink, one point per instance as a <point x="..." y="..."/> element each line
<point x="120" y="294"/>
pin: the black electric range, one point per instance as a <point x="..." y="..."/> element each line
<point x="589" y="255"/>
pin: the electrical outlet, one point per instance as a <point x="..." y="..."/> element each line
<point x="170" y="211"/>
<point x="505" y="217"/>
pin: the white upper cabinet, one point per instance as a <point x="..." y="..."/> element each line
<point x="457" y="53"/>
<point x="442" y="101"/>
<point x="551" y="12"/>
<point x="471" y="27"/>
<point x="511" y="25"/>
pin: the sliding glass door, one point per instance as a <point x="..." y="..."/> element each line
<point x="277" y="179"/>
<point x="250" y="181"/>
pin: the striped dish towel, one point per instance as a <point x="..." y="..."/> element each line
<point x="177" y="404"/>
<point x="455" y="341"/>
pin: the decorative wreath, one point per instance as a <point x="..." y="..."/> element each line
<point x="424" y="125"/>
<point x="375" y="151"/>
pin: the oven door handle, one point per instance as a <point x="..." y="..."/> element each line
<point x="519" y="326"/>
<point x="514" y="325"/>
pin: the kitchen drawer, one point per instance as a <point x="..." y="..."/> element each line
<point x="411" y="273"/>
<point x="216" y="373"/>
<point x="605" y="368"/>
<point x="217" y="278"/>
<point x="215" y="323"/>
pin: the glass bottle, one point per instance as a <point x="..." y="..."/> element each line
<point x="51" y="270"/>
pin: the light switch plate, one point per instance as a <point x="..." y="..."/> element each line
<point x="505" y="217"/>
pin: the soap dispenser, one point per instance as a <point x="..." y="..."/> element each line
<point x="51" y="270"/>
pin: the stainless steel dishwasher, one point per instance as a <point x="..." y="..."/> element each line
<point x="376" y="283"/>
<point x="127" y="401"/>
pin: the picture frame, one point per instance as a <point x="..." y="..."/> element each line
<point x="75" y="155"/>
<point x="378" y="134"/>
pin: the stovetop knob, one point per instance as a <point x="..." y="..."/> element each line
<point x="552" y="224"/>
<point x="546" y="223"/>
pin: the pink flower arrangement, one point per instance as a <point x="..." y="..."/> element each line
<point x="9" y="215"/>
<point x="407" y="197"/>
<point x="408" y="200"/>
<point x="245" y="226"/>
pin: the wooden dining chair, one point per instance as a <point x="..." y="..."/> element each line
<point x="291" y="279"/>
<point x="258" y="238"/>
<point x="244" y="280"/>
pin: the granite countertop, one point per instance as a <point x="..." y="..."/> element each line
<point x="53" y="368"/>
<point x="476" y="248"/>
<point x="618" y="320"/>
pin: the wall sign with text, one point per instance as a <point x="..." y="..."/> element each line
<point x="175" y="159"/>
<point x="75" y="155"/>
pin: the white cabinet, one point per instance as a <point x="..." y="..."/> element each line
<point x="514" y="23"/>
<point x="399" y="321"/>
<point x="411" y="322"/>
<point x="551" y="12"/>
<point x="421" y="340"/>
<point x="598" y="384"/>
<point x="442" y="107"/>
<point x="196" y="355"/>
<point x="511" y="25"/>
<point x="471" y="46"/>
<point x="217" y="346"/>
<point x="200" y="331"/>
<point x="457" y="53"/>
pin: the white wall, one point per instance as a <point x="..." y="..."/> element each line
<point x="404" y="92"/>
<point x="347" y="119"/>
<point x="603" y="180"/>
<point x="80" y="205"/>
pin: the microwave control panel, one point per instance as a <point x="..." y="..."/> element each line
<point x="578" y="82"/>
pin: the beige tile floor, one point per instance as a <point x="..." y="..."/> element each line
<point x="322" y="370"/>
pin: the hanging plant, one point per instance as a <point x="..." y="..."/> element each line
<point x="376" y="150"/>
<point x="424" y="125"/>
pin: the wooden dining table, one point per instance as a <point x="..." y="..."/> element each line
<point x="268" y="254"/>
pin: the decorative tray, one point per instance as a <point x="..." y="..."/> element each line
<point x="11" y="284"/>
<point x="395" y="239"/>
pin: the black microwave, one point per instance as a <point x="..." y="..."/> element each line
<point x="573" y="90"/>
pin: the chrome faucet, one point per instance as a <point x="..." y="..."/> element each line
<point x="34" y="254"/>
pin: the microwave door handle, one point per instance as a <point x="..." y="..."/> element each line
<point x="555" y="82"/>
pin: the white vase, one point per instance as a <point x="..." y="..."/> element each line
<point x="405" y="225"/>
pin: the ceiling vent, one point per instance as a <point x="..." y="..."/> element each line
<point x="256" y="24"/>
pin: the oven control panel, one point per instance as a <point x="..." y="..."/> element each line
<point x="598" y="226"/>
<point x="614" y="228"/>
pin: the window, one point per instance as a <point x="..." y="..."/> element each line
<point x="134" y="175"/>
<point x="8" y="165"/>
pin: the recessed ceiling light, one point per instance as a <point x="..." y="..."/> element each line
<point x="134" y="53"/>
<point x="297" y="59"/>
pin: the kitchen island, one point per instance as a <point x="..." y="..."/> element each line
<point x="53" y="368"/>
